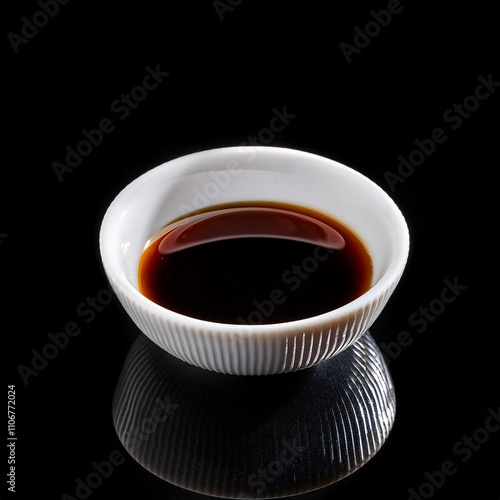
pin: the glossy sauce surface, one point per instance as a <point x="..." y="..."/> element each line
<point x="255" y="263"/>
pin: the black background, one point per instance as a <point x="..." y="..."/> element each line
<point x="225" y="78"/>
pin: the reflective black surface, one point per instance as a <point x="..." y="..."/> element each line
<point x="253" y="437"/>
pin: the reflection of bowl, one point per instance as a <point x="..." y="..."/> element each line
<point x="237" y="174"/>
<point x="253" y="437"/>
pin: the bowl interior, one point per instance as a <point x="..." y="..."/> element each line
<point x="238" y="174"/>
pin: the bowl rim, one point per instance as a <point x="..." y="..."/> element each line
<point x="389" y="277"/>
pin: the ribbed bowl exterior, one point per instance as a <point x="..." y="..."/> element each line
<point x="263" y="353"/>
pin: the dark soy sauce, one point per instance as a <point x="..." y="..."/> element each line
<point x="254" y="263"/>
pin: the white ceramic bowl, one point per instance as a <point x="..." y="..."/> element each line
<point x="238" y="174"/>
